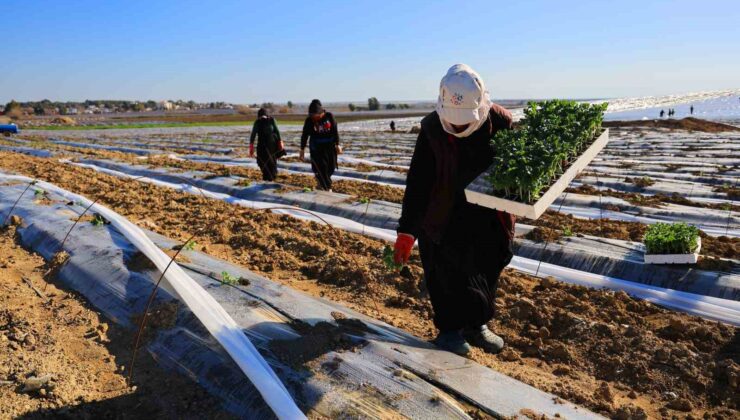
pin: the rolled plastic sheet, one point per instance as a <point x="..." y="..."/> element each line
<point x="216" y="320"/>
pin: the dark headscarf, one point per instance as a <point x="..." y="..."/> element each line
<point x="315" y="107"/>
<point x="262" y="113"/>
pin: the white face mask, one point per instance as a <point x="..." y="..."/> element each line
<point x="483" y="111"/>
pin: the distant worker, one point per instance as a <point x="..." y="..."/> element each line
<point x="393" y="126"/>
<point x="269" y="144"/>
<point x="691" y="110"/>
<point x="321" y="133"/>
<point x="463" y="247"/>
<point x="662" y="113"/>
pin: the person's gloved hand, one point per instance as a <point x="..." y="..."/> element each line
<point x="339" y="149"/>
<point x="302" y="154"/>
<point x="251" y="150"/>
<point x="403" y="247"/>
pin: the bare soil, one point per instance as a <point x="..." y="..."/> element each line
<point x="60" y="358"/>
<point x="607" y="351"/>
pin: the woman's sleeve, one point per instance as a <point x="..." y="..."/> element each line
<point x="254" y="133"/>
<point x="306" y="132"/>
<point x="501" y="117"/>
<point x="275" y="127"/>
<point x="419" y="181"/>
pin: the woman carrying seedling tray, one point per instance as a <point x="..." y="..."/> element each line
<point x="463" y="247"/>
<point x="269" y="144"/>
<point x="321" y="134"/>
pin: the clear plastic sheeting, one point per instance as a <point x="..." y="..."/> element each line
<point x="217" y="321"/>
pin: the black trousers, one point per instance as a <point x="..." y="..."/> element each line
<point x="323" y="163"/>
<point x="267" y="164"/>
<point x="463" y="268"/>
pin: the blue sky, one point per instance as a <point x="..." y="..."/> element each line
<point x="243" y="51"/>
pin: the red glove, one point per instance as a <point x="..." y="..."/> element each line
<point x="403" y="247"/>
<point x="251" y="150"/>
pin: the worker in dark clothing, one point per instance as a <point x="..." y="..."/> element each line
<point x="463" y="247"/>
<point x="393" y="126"/>
<point x="662" y="113"/>
<point x="321" y="134"/>
<point x="269" y="144"/>
<point x="691" y="110"/>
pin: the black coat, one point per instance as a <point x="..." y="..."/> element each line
<point x="441" y="167"/>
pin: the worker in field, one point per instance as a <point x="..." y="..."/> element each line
<point x="322" y="136"/>
<point x="269" y="144"/>
<point x="691" y="110"/>
<point x="393" y="126"/>
<point x="662" y="113"/>
<point x="463" y="247"/>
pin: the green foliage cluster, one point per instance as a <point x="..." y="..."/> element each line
<point x="671" y="238"/>
<point x="388" y="260"/>
<point x="228" y="278"/>
<point x="550" y="136"/>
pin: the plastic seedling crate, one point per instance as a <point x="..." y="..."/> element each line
<point x="479" y="191"/>
<point x="674" y="258"/>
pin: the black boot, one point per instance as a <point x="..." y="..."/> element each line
<point x="484" y="338"/>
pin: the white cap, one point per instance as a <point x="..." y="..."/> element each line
<point x="463" y="98"/>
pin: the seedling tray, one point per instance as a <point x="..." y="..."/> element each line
<point x="674" y="258"/>
<point x="479" y="191"/>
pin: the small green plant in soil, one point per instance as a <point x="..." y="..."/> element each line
<point x="39" y="193"/>
<point x="364" y="200"/>
<point x="671" y="238"/>
<point x="307" y="189"/>
<point x="228" y="278"/>
<point x="98" y="220"/>
<point x="567" y="231"/>
<point x="389" y="261"/>
<point x="642" y="182"/>
<point x="549" y="138"/>
<point x="189" y="245"/>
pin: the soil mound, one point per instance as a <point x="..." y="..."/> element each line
<point x="688" y="123"/>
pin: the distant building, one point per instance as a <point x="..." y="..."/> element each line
<point x="165" y="105"/>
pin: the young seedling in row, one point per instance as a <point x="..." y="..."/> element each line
<point x="39" y="193"/>
<point x="98" y="220"/>
<point x="228" y="278"/>
<point x="189" y="245"/>
<point x="389" y="261"/>
<point x="307" y="189"/>
<point x="364" y="200"/>
<point x="567" y="231"/>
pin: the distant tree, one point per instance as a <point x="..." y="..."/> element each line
<point x="11" y="106"/>
<point x="373" y="104"/>
<point x="390" y="106"/>
<point x="290" y="104"/>
<point x="352" y="107"/>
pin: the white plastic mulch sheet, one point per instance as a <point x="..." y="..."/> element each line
<point x="218" y="322"/>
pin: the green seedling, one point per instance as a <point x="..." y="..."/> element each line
<point x="39" y="193"/>
<point x="98" y="220"/>
<point x="228" y="278"/>
<point x="671" y="238"/>
<point x="390" y="264"/>
<point x="364" y="200"/>
<point x="567" y="231"/>
<point x="550" y="136"/>
<point x="189" y="245"/>
<point x="307" y="189"/>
